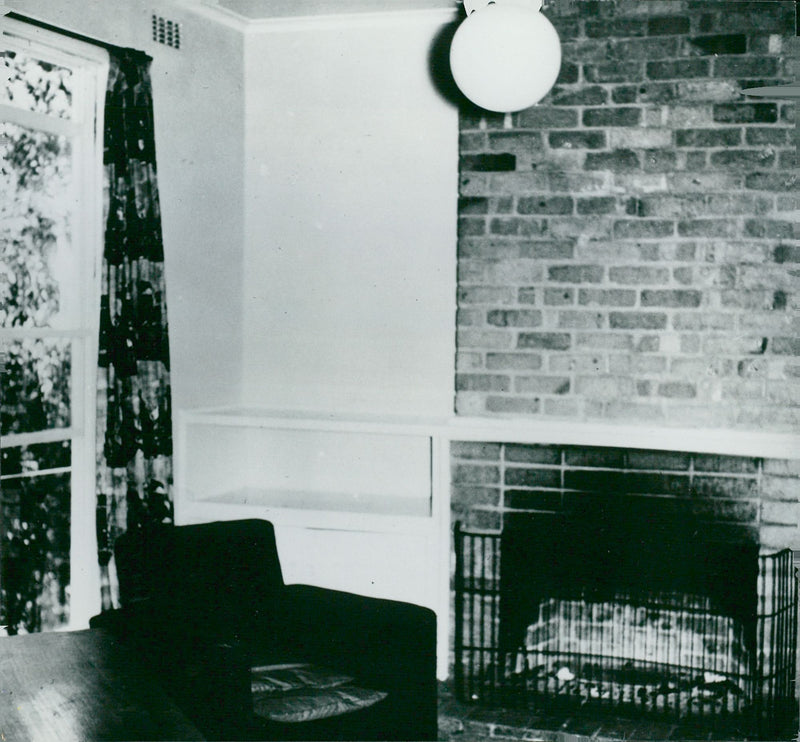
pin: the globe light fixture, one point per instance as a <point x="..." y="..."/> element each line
<point x="505" y="56"/>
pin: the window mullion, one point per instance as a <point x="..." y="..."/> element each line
<point x="85" y="583"/>
<point x="52" y="435"/>
<point x="23" y="333"/>
<point x="38" y="121"/>
<point x="36" y="473"/>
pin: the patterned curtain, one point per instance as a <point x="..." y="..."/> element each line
<point x="134" y="426"/>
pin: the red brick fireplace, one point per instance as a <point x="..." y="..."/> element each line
<point x="627" y="582"/>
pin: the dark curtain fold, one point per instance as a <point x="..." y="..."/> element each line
<point x="134" y="425"/>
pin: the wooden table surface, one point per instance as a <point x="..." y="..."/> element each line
<point x="81" y="686"/>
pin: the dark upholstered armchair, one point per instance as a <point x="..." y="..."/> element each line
<point x="248" y="657"/>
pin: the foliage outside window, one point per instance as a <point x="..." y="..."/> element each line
<point x="45" y="328"/>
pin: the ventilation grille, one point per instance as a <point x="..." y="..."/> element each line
<point x="166" y="32"/>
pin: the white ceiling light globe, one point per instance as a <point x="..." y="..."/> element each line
<point x="505" y="57"/>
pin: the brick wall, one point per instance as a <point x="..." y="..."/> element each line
<point x="626" y="247"/>
<point x="742" y="498"/>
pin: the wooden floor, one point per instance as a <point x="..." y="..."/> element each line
<point x="460" y="722"/>
<point x="79" y="686"/>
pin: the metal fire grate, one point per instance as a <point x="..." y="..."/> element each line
<point x="670" y="656"/>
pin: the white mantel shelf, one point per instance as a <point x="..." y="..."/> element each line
<point x="543" y="431"/>
<point x="728" y="442"/>
<point x="320" y="421"/>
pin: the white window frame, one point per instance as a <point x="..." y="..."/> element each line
<point x="89" y="65"/>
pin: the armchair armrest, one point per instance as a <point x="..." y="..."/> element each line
<point x="111" y="620"/>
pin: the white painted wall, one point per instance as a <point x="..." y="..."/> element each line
<point x="199" y="102"/>
<point x="350" y="217"/>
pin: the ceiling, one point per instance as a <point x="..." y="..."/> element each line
<point x="257" y="9"/>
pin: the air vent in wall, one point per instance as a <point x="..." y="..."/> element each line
<point x="166" y="32"/>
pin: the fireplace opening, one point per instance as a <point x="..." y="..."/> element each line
<point x="604" y="610"/>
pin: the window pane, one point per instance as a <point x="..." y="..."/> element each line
<point x="25" y="460"/>
<point x="35" y="560"/>
<point x="36" y="85"/>
<point x="36" y="389"/>
<point x="39" y="267"/>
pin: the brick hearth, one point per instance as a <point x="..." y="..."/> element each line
<point x="459" y="722"/>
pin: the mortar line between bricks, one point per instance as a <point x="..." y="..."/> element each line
<point x="624" y="470"/>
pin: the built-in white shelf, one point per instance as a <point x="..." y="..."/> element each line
<point x="345" y="502"/>
<point x="312" y="419"/>
<point x="292" y="464"/>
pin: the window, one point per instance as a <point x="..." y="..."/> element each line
<point x="51" y="201"/>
